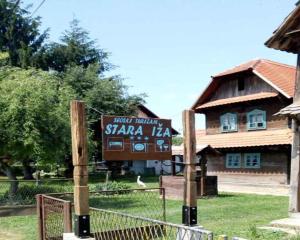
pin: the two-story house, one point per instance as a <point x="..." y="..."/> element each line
<point x="240" y="107"/>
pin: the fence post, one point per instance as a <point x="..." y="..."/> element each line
<point x="189" y="208"/>
<point x="164" y="203"/>
<point x="39" y="212"/>
<point x="80" y="160"/>
<point x="67" y="217"/>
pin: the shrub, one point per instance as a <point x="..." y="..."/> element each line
<point x="25" y="194"/>
<point x="111" y="186"/>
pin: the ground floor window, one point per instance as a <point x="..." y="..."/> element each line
<point x="252" y="160"/>
<point x="233" y="160"/>
<point x="243" y="160"/>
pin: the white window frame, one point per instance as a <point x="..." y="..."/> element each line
<point x="251" y="155"/>
<point x="227" y="117"/>
<point x="234" y="155"/>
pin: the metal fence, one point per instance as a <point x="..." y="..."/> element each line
<point x="148" y="202"/>
<point x="54" y="217"/>
<point x="111" y="225"/>
<point x="131" y="217"/>
<point x="23" y="192"/>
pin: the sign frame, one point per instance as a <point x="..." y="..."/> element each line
<point x="135" y="138"/>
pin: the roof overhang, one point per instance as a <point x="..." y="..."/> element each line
<point x="292" y="111"/>
<point x="247" y="139"/>
<point x="286" y="37"/>
<point x="179" y="150"/>
<point x="239" y="99"/>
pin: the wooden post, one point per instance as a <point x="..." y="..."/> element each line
<point x="203" y="174"/>
<point x="80" y="160"/>
<point x="294" y="203"/>
<point x="39" y="213"/>
<point x="67" y="217"/>
<point x="189" y="209"/>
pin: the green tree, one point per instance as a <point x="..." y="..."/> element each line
<point x="34" y="104"/>
<point x="76" y="49"/>
<point x="34" y="118"/>
<point x="177" y="141"/>
<point x="19" y="33"/>
<point x="102" y="96"/>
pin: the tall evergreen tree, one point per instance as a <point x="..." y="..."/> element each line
<point x="19" y="33"/>
<point x="76" y="49"/>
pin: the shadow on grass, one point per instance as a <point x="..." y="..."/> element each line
<point x="226" y="195"/>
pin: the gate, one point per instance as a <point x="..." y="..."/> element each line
<point x="55" y="217"/>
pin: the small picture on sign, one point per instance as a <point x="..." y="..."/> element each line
<point x="115" y="144"/>
<point x="139" y="147"/>
<point x="162" y="145"/>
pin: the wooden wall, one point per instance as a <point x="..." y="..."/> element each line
<point x="271" y="106"/>
<point x="273" y="170"/>
<point x="252" y="84"/>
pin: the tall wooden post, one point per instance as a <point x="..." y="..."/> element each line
<point x="294" y="203"/>
<point x="189" y="209"/>
<point x="80" y="161"/>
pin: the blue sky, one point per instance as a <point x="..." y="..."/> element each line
<point x="168" y="49"/>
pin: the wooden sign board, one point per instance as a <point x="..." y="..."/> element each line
<point x="130" y="138"/>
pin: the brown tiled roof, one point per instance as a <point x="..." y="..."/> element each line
<point x="245" y="98"/>
<point x="247" y="139"/>
<point x="280" y="76"/>
<point x="143" y="111"/>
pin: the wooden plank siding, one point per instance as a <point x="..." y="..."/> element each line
<point x="274" y="160"/>
<point x="270" y="106"/>
<point x="274" y="168"/>
<point x="252" y="84"/>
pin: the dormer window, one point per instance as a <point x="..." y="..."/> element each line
<point x="256" y="119"/>
<point x="228" y="122"/>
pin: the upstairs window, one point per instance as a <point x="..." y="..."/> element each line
<point x="256" y="119"/>
<point x="252" y="160"/>
<point x="233" y="160"/>
<point x="228" y="122"/>
<point x="241" y="84"/>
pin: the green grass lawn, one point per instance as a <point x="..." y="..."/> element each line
<point x="230" y="214"/>
<point x="18" y="228"/>
<point x="235" y="214"/>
